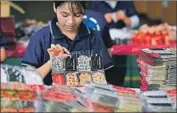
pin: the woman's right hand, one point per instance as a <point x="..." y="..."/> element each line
<point x="58" y="51"/>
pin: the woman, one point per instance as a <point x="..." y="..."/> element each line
<point x="64" y="35"/>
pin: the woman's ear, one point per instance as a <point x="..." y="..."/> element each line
<point x="54" y="9"/>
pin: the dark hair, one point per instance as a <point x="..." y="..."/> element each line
<point x="74" y="4"/>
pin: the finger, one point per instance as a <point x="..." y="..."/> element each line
<point x="66" y="50"/>
<point x="59" y="47"/>
<point x="61" y="52"/>
<point x="49" y="50"/>
<point x="53" y="47"/>
<point x="64" y="55"/>
<point x="52" y="52"/>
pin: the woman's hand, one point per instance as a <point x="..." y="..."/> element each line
<point x="57" y="50"/>
<point x="108" y="17"/>
<point x="120" y="15"/>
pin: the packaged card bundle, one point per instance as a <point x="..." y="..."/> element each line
<point x="78" y="69"/>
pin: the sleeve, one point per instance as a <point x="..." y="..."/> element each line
<point x="131" y="8"/>
<point x="132" y="13"/>
<point x="106" y="37"/>
<point x="100" y="48"/>
<point x="33" y="54"/>
<point x="134" y="21"/>
<point x="105" y="32"/>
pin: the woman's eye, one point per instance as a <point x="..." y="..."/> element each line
<point x="65" y="15"/>
<point x="78" y="15"/>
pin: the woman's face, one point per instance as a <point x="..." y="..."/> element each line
<point x="68" y="20"/>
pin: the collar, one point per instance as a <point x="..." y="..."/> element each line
<point x="57" y="34"/>
<point x="107" y="5"/>
<point x="112" y="4"/>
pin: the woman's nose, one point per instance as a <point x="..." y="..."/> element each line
<point x="71" y="20"/>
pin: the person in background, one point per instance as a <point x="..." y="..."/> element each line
<point x="65" y="34"/>
<point x="118" y="14"/>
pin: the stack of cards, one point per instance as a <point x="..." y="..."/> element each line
<point x="158" y="69"/>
